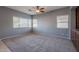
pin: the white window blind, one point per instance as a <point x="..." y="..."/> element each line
<point x="62" y="21"/>
<point x="19" y="22"/>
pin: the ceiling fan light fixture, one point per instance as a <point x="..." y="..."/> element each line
<point x="37" y="11"/>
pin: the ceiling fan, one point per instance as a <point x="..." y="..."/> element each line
<point x="37" y="9"/>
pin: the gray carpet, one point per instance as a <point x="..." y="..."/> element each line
<point x="37" y="43"/>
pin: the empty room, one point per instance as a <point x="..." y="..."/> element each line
<point x="39" y="29"/>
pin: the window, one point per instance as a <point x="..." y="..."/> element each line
<point x="21" y="22"/>
<point x="35" y="23"/>
<point x="62" y="21"/>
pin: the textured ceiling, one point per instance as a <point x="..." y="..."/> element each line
<point x="25" y="9"/>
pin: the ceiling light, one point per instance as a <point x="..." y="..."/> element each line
<point x="37" y="11"/>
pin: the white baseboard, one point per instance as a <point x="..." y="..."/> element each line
<point x="20" y="34"/>
<point x="53" y="35"/>
<point x="37" y="33"/>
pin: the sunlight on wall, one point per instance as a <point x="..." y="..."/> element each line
<point x="62" y="21"/>
<point x="19" y="22"/>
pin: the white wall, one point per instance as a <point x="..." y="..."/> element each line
<point x="6" y="22"/>
<point x="47" y="23"/>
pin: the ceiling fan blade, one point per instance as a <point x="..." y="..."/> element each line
<point x="42" y="8"/>
<point x="42" y="11"/>
<point x="37" y="7"/>
<point x="31" y="9"/>
<point x="37" y="10"/>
